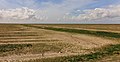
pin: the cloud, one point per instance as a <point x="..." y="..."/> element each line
<point x="47" y="10"/>
<point x="23" y="13"/>
<point x="50" y="11"/>
<point x="110" y="12"/>
<point x="55" y="12"/>
<point x="18" y="13"/>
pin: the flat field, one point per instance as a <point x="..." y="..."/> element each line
<point x="59" y="43"/>
<point x="106" y="27"/>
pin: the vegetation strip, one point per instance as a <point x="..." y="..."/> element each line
<point x="103" y="52"/>
<point x="12" y="47"/>
<point x="96" y="33"/>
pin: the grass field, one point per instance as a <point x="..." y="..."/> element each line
<point x="111" y="27"/>
<point x="59" y="43"/>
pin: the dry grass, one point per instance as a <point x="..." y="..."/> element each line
<point x="109" y="27"/>
<point x="15" y="41"/>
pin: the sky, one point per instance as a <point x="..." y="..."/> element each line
<point x="60" y="11"/>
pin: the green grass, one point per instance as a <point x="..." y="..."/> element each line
<point x="39" y="48"/>
<point x="96" y="33"/>
<point x="88" y="32"/>
<point x="109" y="27"/>
<point x="12" y="47"/>
<point x="43" y="48"/>
<point x="7" y="49"/>
<point x="101" y="53"/>
<point x="52" y="47"/>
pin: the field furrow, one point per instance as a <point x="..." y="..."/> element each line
<point x="34" y="43"/>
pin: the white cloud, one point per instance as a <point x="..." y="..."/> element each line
<point x="18" y="13"/>
<point x="23" y="13"/>
<point x="49" y="12"/>
<point x="56" y="12"/>
<point x="109" y="12"/>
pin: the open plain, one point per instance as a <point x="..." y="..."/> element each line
<point x="59" y="43"/>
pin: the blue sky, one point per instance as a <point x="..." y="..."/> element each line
<point x="38" y="3"/>
<point x="57" y="10"/>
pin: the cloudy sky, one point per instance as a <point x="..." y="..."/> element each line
<point x="60" y="11"/>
